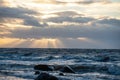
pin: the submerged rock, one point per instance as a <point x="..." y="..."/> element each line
<point x="81" y="67"/>
<point x="46" y="76"/>
<point x="44" y="67"/>
<point x="67" y="69"/>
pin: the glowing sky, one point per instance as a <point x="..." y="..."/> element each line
<point x="60" y="24"/>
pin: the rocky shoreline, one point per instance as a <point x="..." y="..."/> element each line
<point x="59" y="64"/>
<point x="61" y="69"/>
<point x="42" y="70"/>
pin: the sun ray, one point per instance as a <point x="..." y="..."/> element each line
<point x="60" y="43"/>
<point x="10" y="42"/>
<point x="46" y="43"/>
<point x="41" y="43"/>
<point x="52" y="43"/>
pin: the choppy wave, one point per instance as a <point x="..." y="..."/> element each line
<point x="97" y="64"/>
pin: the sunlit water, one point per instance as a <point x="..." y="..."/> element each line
<point x="17" y="64"/>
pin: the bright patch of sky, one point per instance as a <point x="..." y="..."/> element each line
<point x="60" y="24"/>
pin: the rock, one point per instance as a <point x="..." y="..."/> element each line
<point x="58" y="67"/>
<point x="37" y="72"/>
<point x="61" y="74"/>
<point x="67" y="69"/>
<point x="45" y="76"/>
<point x="44" y="67"/>
<point x="106" y="58"/>
<point x="102" y="58"/>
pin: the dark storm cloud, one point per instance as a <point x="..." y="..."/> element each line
<point x="19" y="13"/>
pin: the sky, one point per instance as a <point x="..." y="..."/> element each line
<point x="60" y="24"/>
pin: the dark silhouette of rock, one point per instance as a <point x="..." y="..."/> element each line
<point x="106" y="58"/>
<point x="67" y="69"/>
<point x="61" y="74"/>
<point x="58" y="67"/>
<point x="45" y="76"/>
<point x="102" y="58"/>
<point x="44" y="67"/>
<point x="37" y="72"/>
<point x="27" y="54"/>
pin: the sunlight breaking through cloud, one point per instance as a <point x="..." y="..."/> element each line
<point x="31" y="43"/>
<point x="60" y="23"/>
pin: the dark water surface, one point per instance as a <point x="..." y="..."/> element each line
<point x="99" y="64"/>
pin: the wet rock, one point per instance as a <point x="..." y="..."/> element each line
<point x="58" y="67"/>
<point x="102" y="58"/>
<point x="44" y="67"/>
<point x="37" y="72"/>
<point x="67" y="69"/>
<point x="45" y="76"/>
<point x="61" y="74"/>
<point x="27" y="54"/>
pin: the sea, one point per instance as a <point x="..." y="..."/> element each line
<point x="97" y="64"/>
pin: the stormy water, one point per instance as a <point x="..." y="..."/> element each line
<point x="88" y="64"/>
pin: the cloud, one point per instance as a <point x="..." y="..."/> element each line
<point x="94" y="30"/>
<point x="70" y="19"/>
<point x="74" y="17"/>
<point x="100" y="33"/>
<point x="69" y="26"/>
<point x="20" y="13"/>
<point x="111" y="21"/>
<point x="4" y="3"/>
<point x="44" y="1"/>
<point x="83" y="26"/>
<point x="71" y="1"/>
<point x="68" y="13"/>
<point x="83" y="1"/>
<point x="69" y="16"/>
